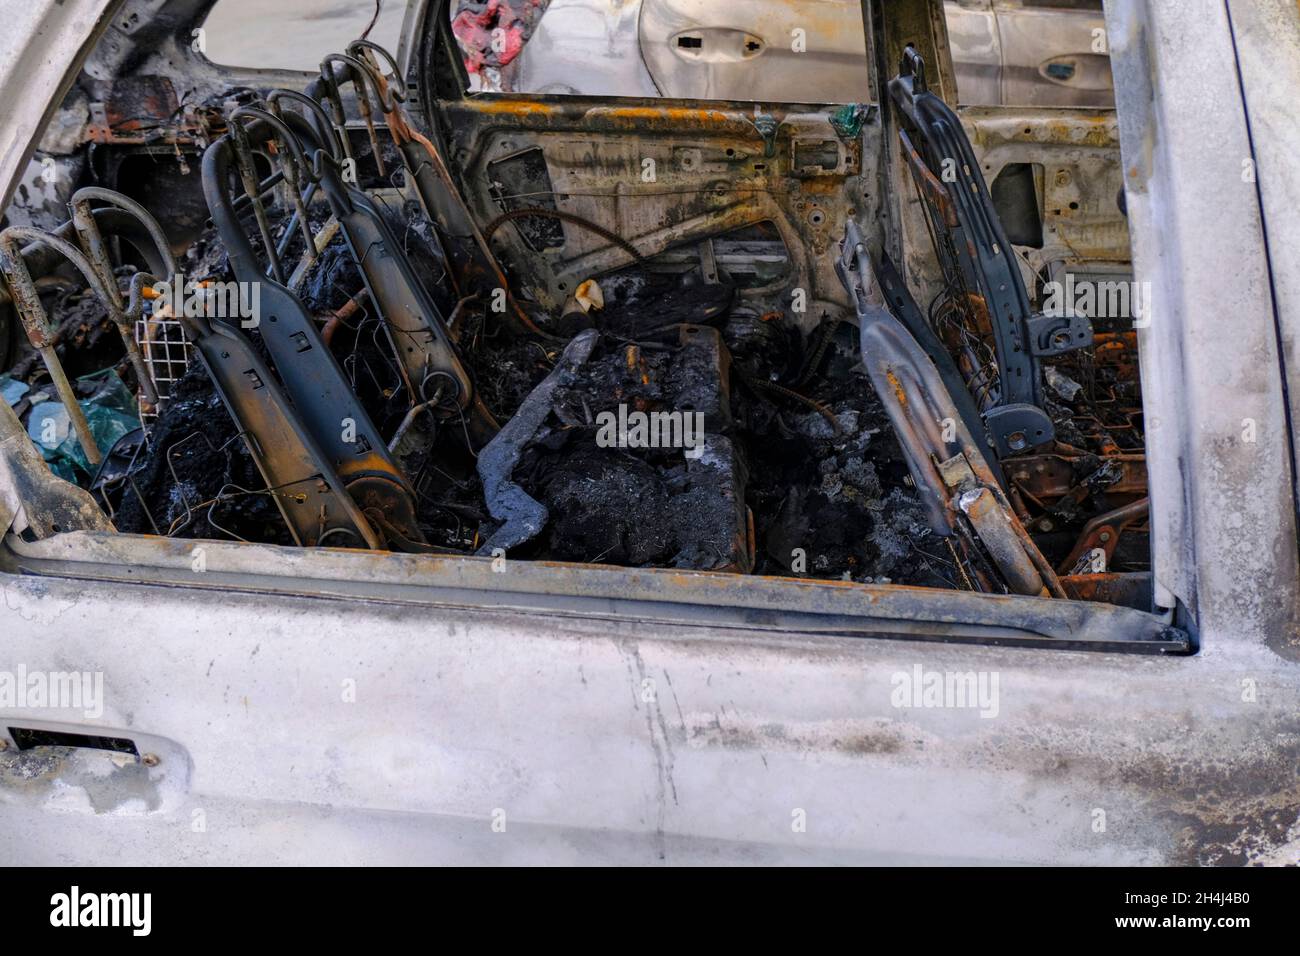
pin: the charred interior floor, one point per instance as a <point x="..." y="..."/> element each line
<point x="443" y="388"/>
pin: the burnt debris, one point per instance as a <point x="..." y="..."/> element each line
<point x="386" y="376"/>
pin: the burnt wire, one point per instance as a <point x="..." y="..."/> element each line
<point x="759" y="384"/>
<point x="184" y="521"/>
<point x="373" y="20"/>
<point x="985" y="376"/>
<point x="529" y="212"/>
<point x="127" y="479"/>
<point x="828" y="331"/>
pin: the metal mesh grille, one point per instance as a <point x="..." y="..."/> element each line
<point x="167" y="354"/>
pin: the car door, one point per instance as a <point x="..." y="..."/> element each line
<point x="1054" y="53"/>
<point x="756" y="50"/>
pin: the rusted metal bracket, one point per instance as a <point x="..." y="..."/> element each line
<point x="298" y="473"/>
<point x="906" y="309"/>
<point x="300" y="186"/>
<point x="998" y="529"/>
<point x="93" y="262"/>
<point x="948" y="467"/>
<point x="362" y="76"/>
<point x="415" y="326"/>
<point x="979" y="264"/>
<point x="27" y="302"/>
<point x="95" y="247"/>
<point x="322" y="397"/>
<point x="123" y="219"/>
<point x="1102" y="534"/>
<point x="473" y="267"/>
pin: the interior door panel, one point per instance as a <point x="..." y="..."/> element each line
<point x="664" y="176"/>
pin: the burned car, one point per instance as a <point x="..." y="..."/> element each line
<point x="747" y="376"/>
<point x="542" y="336"/>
